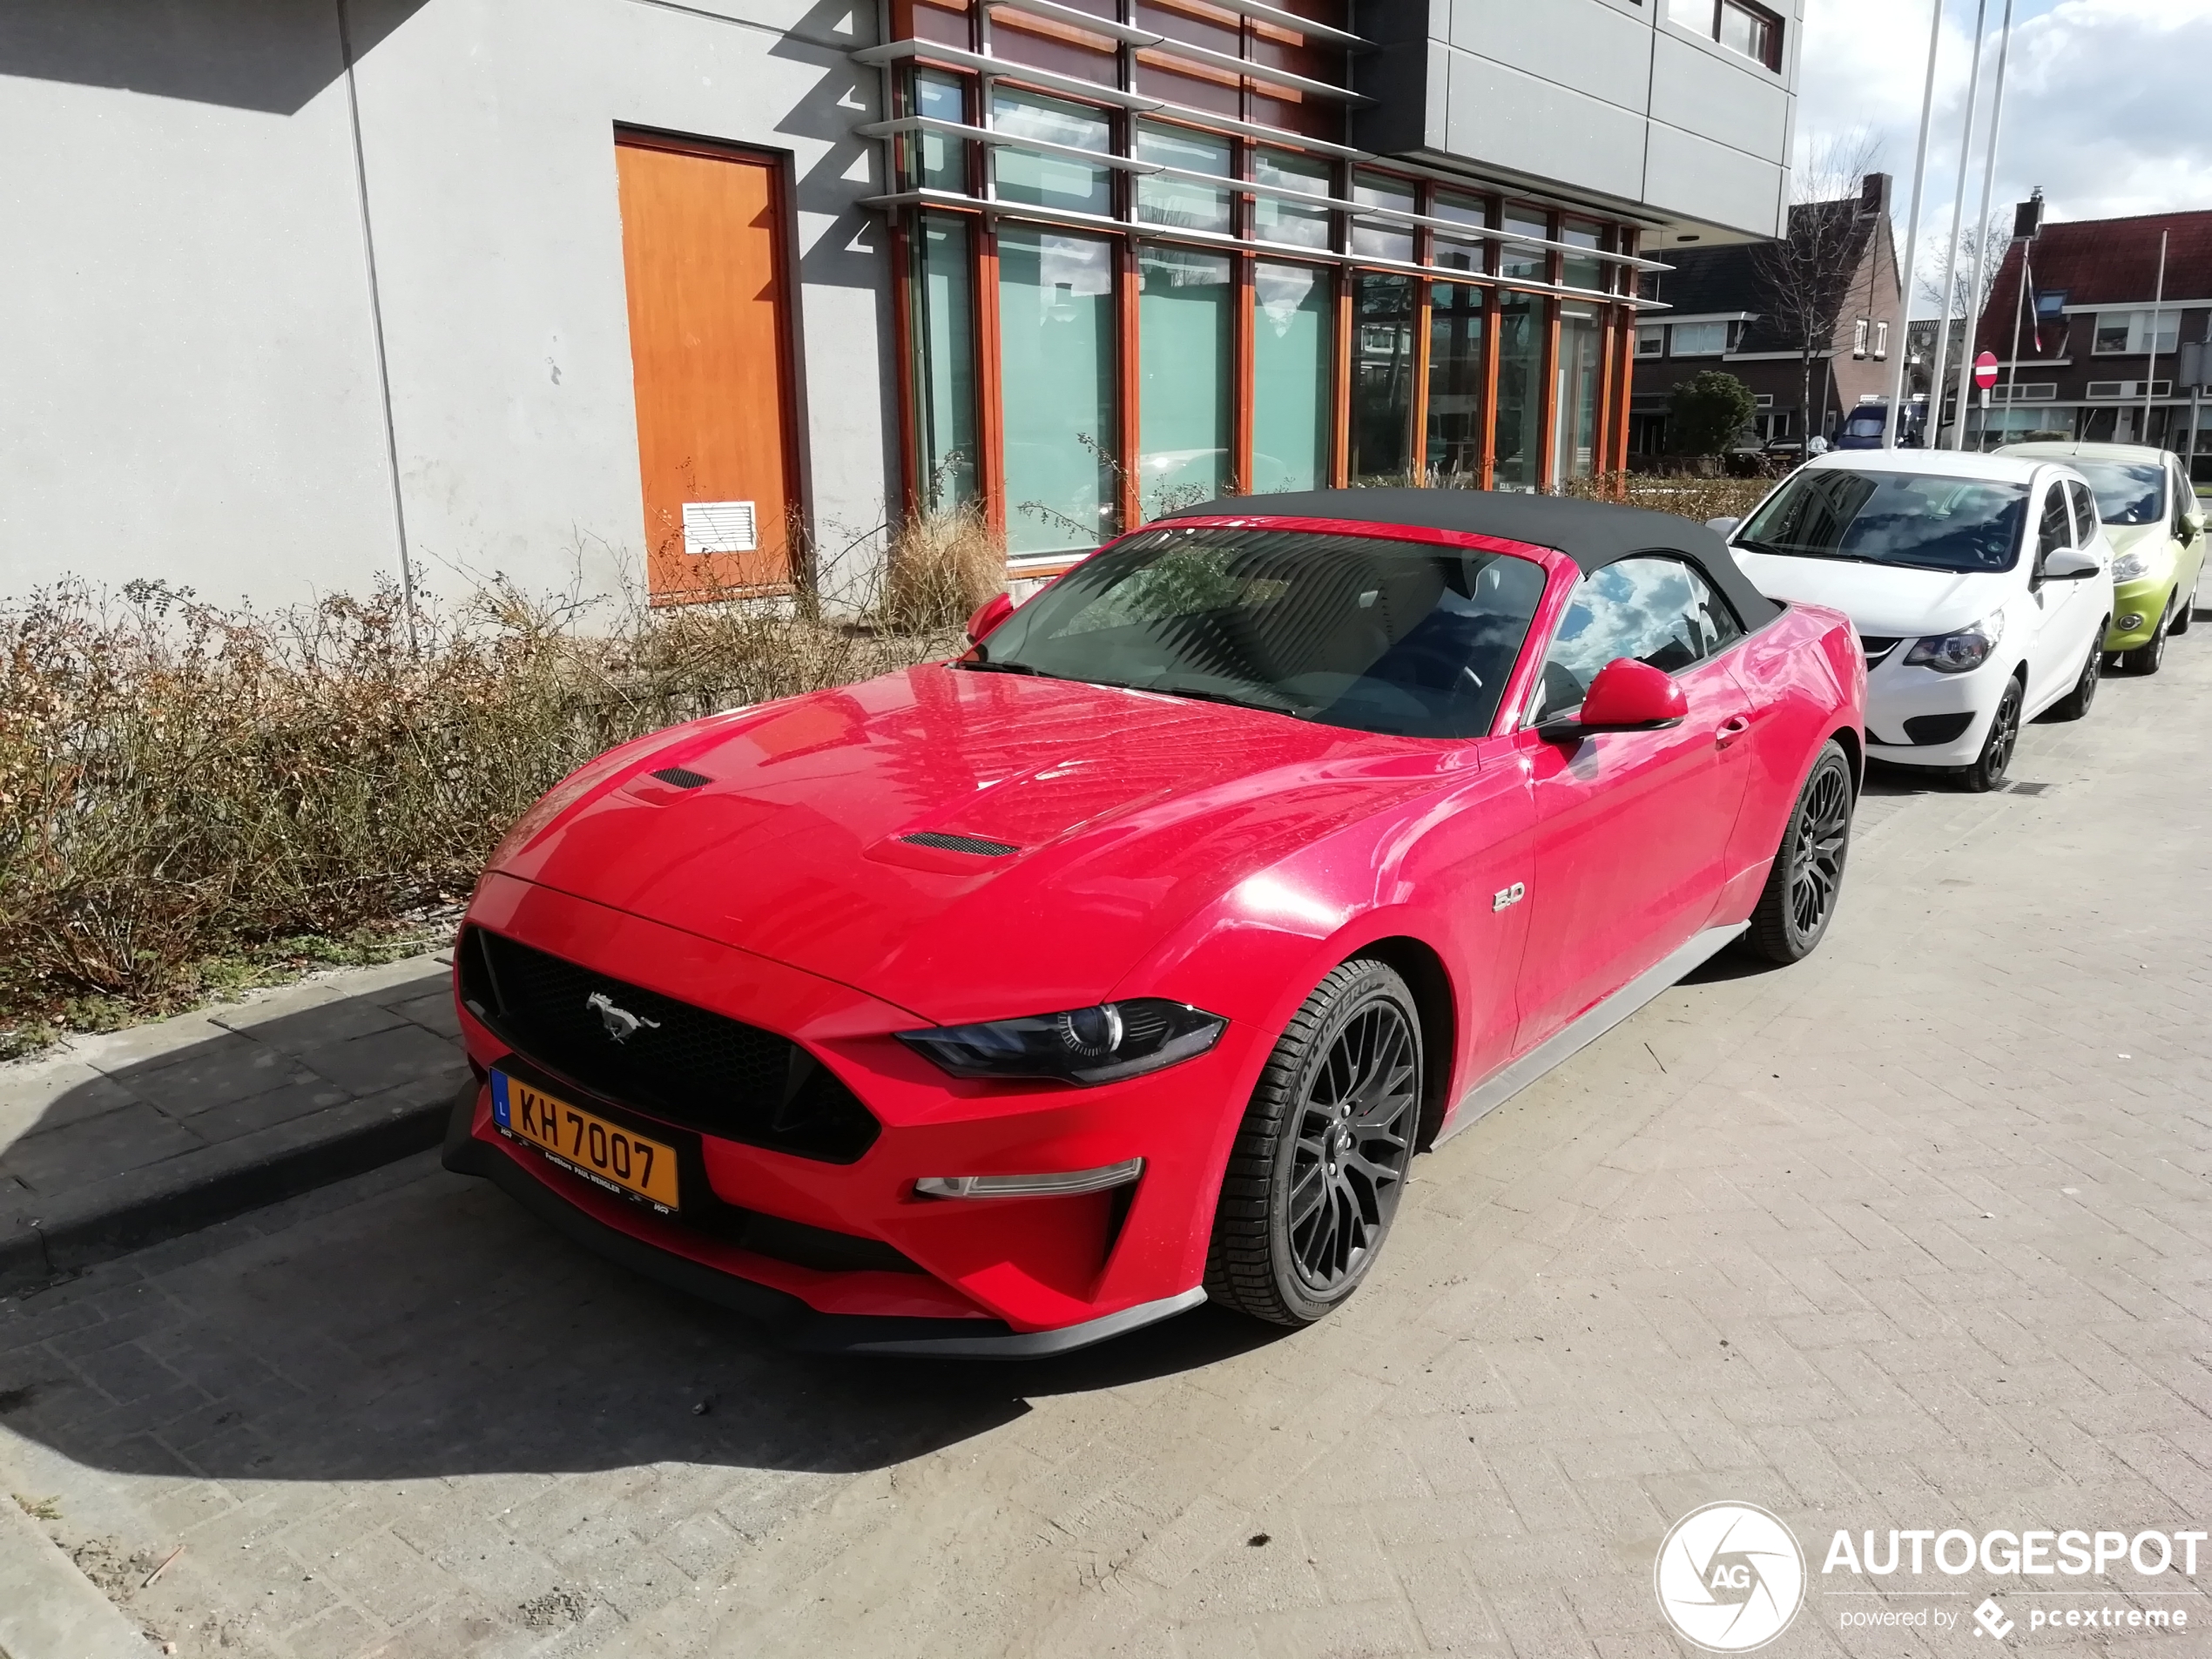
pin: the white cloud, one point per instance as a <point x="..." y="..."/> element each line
<point x="2102" y="108"/>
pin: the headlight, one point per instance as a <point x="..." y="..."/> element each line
<point x="2128" y="566"/>
<point x="1956" y="653"/>
<point x="1094" y="1045"/>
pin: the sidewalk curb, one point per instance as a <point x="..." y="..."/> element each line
<point x="49" y="1610"/>
<point x="178" y="1196"/>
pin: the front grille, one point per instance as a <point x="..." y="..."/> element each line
<point x="975" y="844"/>
<point x="1876" y="647"/>
<point x="680" y="1062"/>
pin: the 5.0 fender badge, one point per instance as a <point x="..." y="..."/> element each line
<point x="1511" y="895"/>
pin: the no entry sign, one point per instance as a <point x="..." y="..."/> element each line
<point x="1985" y="370"/>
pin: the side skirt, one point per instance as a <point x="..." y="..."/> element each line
<point x="1503" y="1084"/>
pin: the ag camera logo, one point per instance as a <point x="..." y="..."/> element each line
<point x="1730" y="1577"/>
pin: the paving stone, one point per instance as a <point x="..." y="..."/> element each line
<point x="385" y="1059"/>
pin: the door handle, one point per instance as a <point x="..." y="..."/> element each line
<point x="1731" y="729"/>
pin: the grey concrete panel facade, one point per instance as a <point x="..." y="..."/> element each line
<point x="1611" y="99"/>
<point x="191" y="331"/>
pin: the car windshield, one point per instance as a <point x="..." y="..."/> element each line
<point x="2128" y="492"/>
<point x="1865" y="422"/>
<point x="1348" y="630"/>
<point x="1920" y="520"/>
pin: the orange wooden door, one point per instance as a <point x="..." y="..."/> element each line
<point x="709" y="349"/>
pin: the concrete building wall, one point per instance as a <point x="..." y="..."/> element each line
<point x="1608" y="97"/>
<point x="186" y="326"/>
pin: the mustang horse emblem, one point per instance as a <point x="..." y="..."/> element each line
<point x="621" y="1023"/>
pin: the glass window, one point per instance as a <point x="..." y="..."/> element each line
<point x="1520" y="439"/>
<point x="2112" y="333"/>
<point x="1700" y="339"/>
<point x="2085" y="512"/>
<point x="945" y="362"/>
<point x="1575" y="392"/>
<point x="1651" y="340"/>
<point x="1040" y="180"/>
<point x="1056" y="375"/>
<point x="1377" y="238"/>
<point x="1750" y="30"/>
<point x="940" y="163"/>
<point x="1277" y="219"/>
<point x="1522" y="263"/>
<point x="1921" y="520"/>
<point x="1456" y="385"/>
<point x="2055" y="530"/>
<point x="1185" y="332"/>
<point x="1451" y="252"/>
<point x="2126" y="493"/>
<point x="1579" y="270"/>
<point x="1382" y="377"/>
<point x="1354" y="631"/>
<point x="1292" y="340"/>
<point x="1652" y="610"/>
<point x="1178" y="201"/>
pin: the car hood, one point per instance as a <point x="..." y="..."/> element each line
<point x="1886" y="600"/>
<point x="1125" y="812"/>
<point x="2152" y="539"/>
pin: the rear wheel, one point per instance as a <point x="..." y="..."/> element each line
<point x="2076" y="703"/>
<point x="1801" y="889"/>
<point x="2149" y="656"/>
<point x="1314" y="1179"/>
<point x="1997" y="749"/>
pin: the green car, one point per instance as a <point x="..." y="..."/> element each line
<point x="2155" y="524"/>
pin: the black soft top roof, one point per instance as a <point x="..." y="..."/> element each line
<point x="1593" y="533"/>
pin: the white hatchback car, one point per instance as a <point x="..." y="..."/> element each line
<point x="1980" y="585"/>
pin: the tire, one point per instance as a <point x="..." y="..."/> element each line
<point x="2076" y="703"/>
<point x="2149" y="656"/>
<point x="2187" y="613"/>
<point x="1320" y="1159"/>
<point x="1800" y="899"/>
<point x="1997" y="749"/>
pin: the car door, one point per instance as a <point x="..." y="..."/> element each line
<point x="1632" y="827"/>
<point x="2090" y="612"/>
<point x="2054" y="656"/>
<point x="2188" y="525"/>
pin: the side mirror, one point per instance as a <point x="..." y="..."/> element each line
<point x="2187" y="529"/>
<point x="1722" y="526"/>
<point x="993" y="612"/>
<point x="1627" y="696"/>
<point x="2070" y="563"/>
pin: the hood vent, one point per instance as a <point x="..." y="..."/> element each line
<point x="682" y="776"/>
<point x="975" y="844"/>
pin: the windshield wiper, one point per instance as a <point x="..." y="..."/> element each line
<point x="978" y="666"/>
<point x="1812" y="553"/>
<point x="1197" y="695"/>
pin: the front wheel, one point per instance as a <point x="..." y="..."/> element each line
<point x="2186" y="614"/>
<point x="1799" y="898"/>
<point x="2149" y="656"/>
<point x="1314" y="1179"/>
<point x="2076" y="703"/>
<point x="1997" y="749"/>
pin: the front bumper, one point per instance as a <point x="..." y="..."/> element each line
<point x="1916" y="716"/>
<point x="998" y="1276"/>
<point x="2145" y="599"/>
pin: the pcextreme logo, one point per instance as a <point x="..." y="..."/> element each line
<point x="1730" y="1577"/>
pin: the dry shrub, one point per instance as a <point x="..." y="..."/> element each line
<point x="1686" y="495"/>
<point x="943" y="564"/>
<point x="178" y="780"/>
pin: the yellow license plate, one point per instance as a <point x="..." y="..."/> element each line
<point x="601" y="1152"/>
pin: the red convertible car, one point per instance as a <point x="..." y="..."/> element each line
<point x="1004" y="1004"/>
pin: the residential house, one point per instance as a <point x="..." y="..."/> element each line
<point x="2089" y="344"/>
<point x="676" y="296"/>
<point x="1807" y="321"/>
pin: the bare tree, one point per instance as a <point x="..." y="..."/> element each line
<point x="1805" y="277"/>
<point x="1997" y="237"/>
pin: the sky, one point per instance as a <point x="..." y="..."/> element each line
<point x="2102" y="105"/>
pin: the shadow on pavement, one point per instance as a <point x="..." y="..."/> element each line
<point x="432" y="1329"/>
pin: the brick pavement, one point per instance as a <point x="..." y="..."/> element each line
<point x="111" y="1141"/>
<point x="1910" y="1236"/>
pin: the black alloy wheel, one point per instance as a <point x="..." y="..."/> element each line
<point x="2076" y="703"/>
<point x="1997" y="749"/>
<point x="1320" y="1161"/>
<point x="1800" y="899"/>
<point x="2149" y="656"/>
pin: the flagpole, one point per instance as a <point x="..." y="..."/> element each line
<point x="1981" y="224"/>
<point x="1895" y="412"/>
<point x="2150" y="373"/>
<point x="1951" y="264"/>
